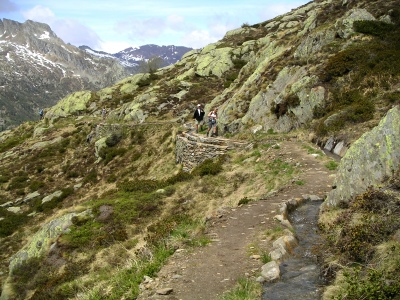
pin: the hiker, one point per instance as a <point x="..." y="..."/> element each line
<point x="212" y="121"/>
<point x="198" y="116"/>
<point x="41" y="114"/>
<point x="103" y="113"/>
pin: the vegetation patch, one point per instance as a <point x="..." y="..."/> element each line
<point x="209" y="167"/>
<point x="11" y="222"/>
<point x="246" y="289"/>
<point x="360" y="238"/>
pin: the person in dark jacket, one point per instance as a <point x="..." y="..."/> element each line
<point x="198" y="116"/>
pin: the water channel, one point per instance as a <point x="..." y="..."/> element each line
<point x="300" y="274"/>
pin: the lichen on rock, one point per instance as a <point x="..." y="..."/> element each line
<point x="369" y="160"/>
<point x="74" y="103"/>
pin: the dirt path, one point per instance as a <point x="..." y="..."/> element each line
<point x="206" y="273"/>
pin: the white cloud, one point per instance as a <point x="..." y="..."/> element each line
<point x="40" y="14"/>
<point x="273" y="10"/>
<point x="198" y="39"/>
<point x="113" y="47"/>
<point x="69" y="30"/>
<point x="73" y="32"/>
<point x="175" y="22"/>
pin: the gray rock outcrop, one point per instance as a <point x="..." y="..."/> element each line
<point x="369" y="161"/>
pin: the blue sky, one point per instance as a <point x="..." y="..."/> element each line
<point x="112" y="26"/>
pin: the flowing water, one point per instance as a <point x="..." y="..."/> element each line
<point x="300" y="274"/>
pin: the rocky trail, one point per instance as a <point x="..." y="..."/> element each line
<point x="207" y="272"/>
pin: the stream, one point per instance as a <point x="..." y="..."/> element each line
<point x="300" y="274"/>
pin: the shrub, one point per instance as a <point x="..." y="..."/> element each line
<point x="91" y="177"/>
<point x="373" y="285"/>
<point x="18" y="182"/>
<point x="180" y="177"/>
<point x="244" y="201"/>
<point x="4" y="178"/>
<point x="108" y="154"/>
<point x="239" y="63"/>
<point x="11" y="222"/>
<point x="135" y="185"/>
<point x="372" y="27"/>
<point x="114" y="139"/>
<point x="35" y="185"/>
<point x="208" y="167"/>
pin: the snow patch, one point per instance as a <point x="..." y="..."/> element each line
<point x="45" y="36"/>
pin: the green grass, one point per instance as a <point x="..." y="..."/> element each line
<point x="275" y="232"/>
<point x="331" y="165"/>
<point x="265" y="257"/>
<point x="245" y="289"/>
<point x="300" y="182"/>
<point x="311" y="150"/>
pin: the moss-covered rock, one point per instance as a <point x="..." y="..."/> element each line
<point x="214" y="61"/>
<point x="75" y="103"/>
<point x="369" y="161"/>
<point x="38" y="245"/>
<point x="99" y="145"/>
<point x="344" y="26"/>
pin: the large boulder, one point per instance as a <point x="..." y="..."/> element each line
<point x="344" y="26"/>
<point x="369" y="161"/>
<point x="38" y="245"/>
<point x="73" y="104"/>
<point x="216" y="61"/>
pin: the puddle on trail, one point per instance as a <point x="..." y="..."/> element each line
<point x="300" y="274"/>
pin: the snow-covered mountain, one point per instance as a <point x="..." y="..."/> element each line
<point x="37" y="68"/>
<point x="132" y="56"/>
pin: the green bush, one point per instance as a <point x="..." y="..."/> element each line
<point x="19" y="182"/>
<point x="11" y="222"/>
<point x="208" y="167"/>
<point x="239" y="63"/>
<point x="372" y="285"/>
<point x="4" y="178"/>
<point x="36" y="185"/>
<point x="114" y="139"/>
<point x="108" y="154"/>
<point x="180" y="177"/>
<point x="145" y="185"/>
<point x="91" y="177"/>
<point x="357" y="240"/>
<point x="373" y="27"/>
<point x="244" y="201"/>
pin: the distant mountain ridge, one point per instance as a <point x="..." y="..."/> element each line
<point x="132" y="56"/>
<point x="37" y="68"/>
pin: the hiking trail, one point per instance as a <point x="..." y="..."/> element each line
<point x="207" y="272"/>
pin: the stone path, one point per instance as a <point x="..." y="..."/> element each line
<point x="207" y="272"/>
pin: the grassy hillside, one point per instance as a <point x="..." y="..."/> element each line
<point x="135" y="206"/>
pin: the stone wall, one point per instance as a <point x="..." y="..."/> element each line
<point x="191" y="150"/>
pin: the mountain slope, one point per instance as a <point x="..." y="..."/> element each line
<point x="38" y="69"/>
<point x="109" y="192"/>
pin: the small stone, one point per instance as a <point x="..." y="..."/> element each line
<point x="270" y="271"/>
<point x="165" y="291"/>
<point x="260" y="279"/>
<point x="315" y="198"/>
<point x="255" y="257"/>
